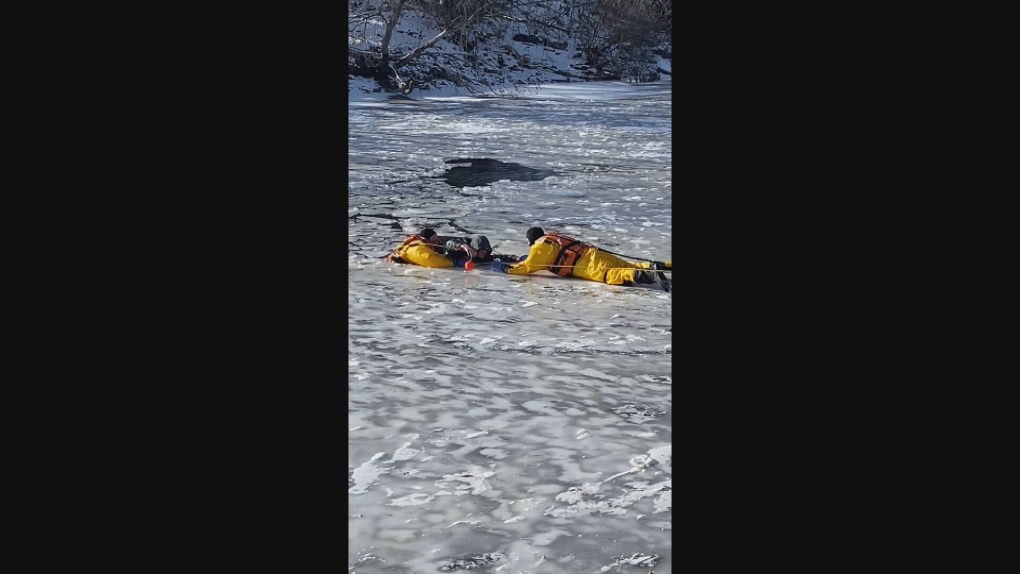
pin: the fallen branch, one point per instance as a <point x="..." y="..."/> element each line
<point x="418" y="51"/>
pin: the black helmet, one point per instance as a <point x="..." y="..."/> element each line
<point x="427" y="233"/>
<point x="533" y="234"/>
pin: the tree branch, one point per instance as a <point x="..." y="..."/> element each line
<point x="417" y="51"/>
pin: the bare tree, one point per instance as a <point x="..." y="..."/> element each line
<point x="391" y="24"/>
<point x="605" y="30"/>
<point x="452" y="15"/>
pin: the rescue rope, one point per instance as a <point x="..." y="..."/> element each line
<point x="559" y="266"/>
<point x="608" y="268"/>
<point x="624" y="256"/>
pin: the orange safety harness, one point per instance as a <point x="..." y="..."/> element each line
<point x="571" y="250"/>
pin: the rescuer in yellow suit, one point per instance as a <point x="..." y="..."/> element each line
<point x="566" y="256"/>
<point x="423" y="249"/>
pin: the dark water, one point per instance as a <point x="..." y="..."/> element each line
<point x="485" y="171"/>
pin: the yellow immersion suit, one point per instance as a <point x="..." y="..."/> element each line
<point x="567" y="256"/>
<point x="418" y="251"/>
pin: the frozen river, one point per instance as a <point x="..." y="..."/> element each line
<point x="510" y="423"/>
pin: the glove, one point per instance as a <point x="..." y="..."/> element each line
<point x="499" y="266"/>
<point x="522" y="257"/>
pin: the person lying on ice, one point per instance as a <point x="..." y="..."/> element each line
<point x="475" y="245"/>
<point x="567" y="257"/>
<point x="423" y="249"/>
<point x="429" y="250"/>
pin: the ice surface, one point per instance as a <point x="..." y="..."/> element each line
<point x="510" y="423"/>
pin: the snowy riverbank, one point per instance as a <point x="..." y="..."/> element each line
<point x="489" y="59"/>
